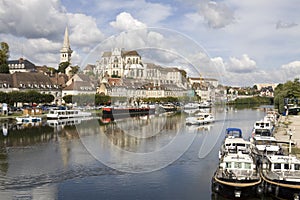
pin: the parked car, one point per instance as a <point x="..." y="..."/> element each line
<point x="294" y="111"/>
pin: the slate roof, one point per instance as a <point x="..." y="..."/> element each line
<point x="28" y="65"/>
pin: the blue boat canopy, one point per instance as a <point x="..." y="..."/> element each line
<point x="233" y="132"/>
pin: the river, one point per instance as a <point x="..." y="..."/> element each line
<point x="147" y="157"/>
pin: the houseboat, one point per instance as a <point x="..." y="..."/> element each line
<point x="200" y="118"/>
<point x="130" y="111"/>
<point x="65" y="114"/>
<point x="281" y="176"/>
<point x="237" y="177"/>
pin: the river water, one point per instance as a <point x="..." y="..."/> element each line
<point x="146" y="157"/>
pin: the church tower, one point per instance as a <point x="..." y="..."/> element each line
<point x="65" y="52"/>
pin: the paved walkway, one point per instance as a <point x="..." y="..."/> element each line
<point x="286" y="124"/>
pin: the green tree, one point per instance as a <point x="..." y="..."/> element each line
<point x="4" y="55"/>
<point x="62" y="66"/>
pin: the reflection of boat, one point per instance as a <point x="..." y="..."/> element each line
<point x="200" y="118"/>
<point x="28" y="119"/>
<point x="202" y="127"/>
<point x="63" y="122"/>
<point x="237" y="176"/>
<point x="65" y="114"/>
<point x="281" y="176"/>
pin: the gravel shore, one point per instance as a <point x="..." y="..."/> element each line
<point x="287" y="124"/>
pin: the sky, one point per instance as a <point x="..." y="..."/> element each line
<point x="240" y="43"/>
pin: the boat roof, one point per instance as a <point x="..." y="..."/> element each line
<point x="229" y="131"/>
<point x="283" y="159"/>
<point x="238" y="157"/>
<point x="235" y="141"/>
<point x="264" y="138"/>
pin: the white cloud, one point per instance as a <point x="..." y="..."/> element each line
<point x="216" y="14"/>
<point x="124" y="21"/>
<point x="31" y="18"/>
<point x="148" y="12"/>
<point x="242" y="65"/>
<point x="84" y="31"/>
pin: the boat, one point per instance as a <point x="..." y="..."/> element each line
<point x="281" y="176"/>
<point x="28" y="119"/>
<point x="200" y="118"/>
<point x="234" y="145"/>
<point x="233" y="133"/>
<point x="264" y="145"/>
<point x="237" y="177"/>
<point x="205" y="104"/>
<point x="263" y="126"/>
<point x="65" y="114"/>
<point x="126" y="111"/>
<point x="191" y="105"/>
<point x="168" y="107"/>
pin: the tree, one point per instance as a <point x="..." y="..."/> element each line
<point x="62" y="66"/>
<point x="4" y="55"/>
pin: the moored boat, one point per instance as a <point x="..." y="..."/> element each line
<point x="65" y="114"/>
<point x="237" y="176"/>
<point x="234" y="145"/>
<point x="281" y="176"/>
<point x="111" y="111"/>
<point x="233" y="133"/>
<point x="200" y="118"/>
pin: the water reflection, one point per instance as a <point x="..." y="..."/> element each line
<point x="54" y="160"/>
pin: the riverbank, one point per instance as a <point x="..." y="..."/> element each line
<point x="287" y="124"/>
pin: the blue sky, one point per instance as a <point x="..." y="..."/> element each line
<point x="238" y="42"/>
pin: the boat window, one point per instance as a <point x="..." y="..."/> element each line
<point x="277" y="165"/>
<point x="237" y="165"/>
<point x="247" y="165"/>
<point x="286" y="166"/>
<point x="297" y="166"/>
<point x="228" y="164"/>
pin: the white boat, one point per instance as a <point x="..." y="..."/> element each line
<point x="263" y="125"/>
<point x="191" y="106"/>
<point x="63" y="114"/>
<point x="237" y="177"/>
<point x="234" y="145"/>
<point x="28" y="119"/>
<point x="200" y="118"/>
<point x="204" y="104"/>
<point x="281" y="176"/>
<point x="264" y="145"/>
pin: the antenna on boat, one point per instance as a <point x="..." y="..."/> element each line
<point x="290" y="132"/>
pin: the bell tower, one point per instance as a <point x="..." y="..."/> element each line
<point x="66" y="51"/>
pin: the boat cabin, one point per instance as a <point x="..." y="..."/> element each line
<point x="280" y="163"/>
<point x="237" y="162"/>
<point x="266" y="144"/>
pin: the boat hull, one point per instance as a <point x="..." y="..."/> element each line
<point x="231" y="188"/>
<point x="110" y="112"/>
<point x="281" y="189"/>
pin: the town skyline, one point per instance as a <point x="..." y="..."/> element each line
<point x="244" y="48"/>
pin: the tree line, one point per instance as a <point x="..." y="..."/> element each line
<point x="12" y="98"/>
<point x="290" y="91"/>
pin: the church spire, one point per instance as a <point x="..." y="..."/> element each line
<point x="66" y="51"/>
